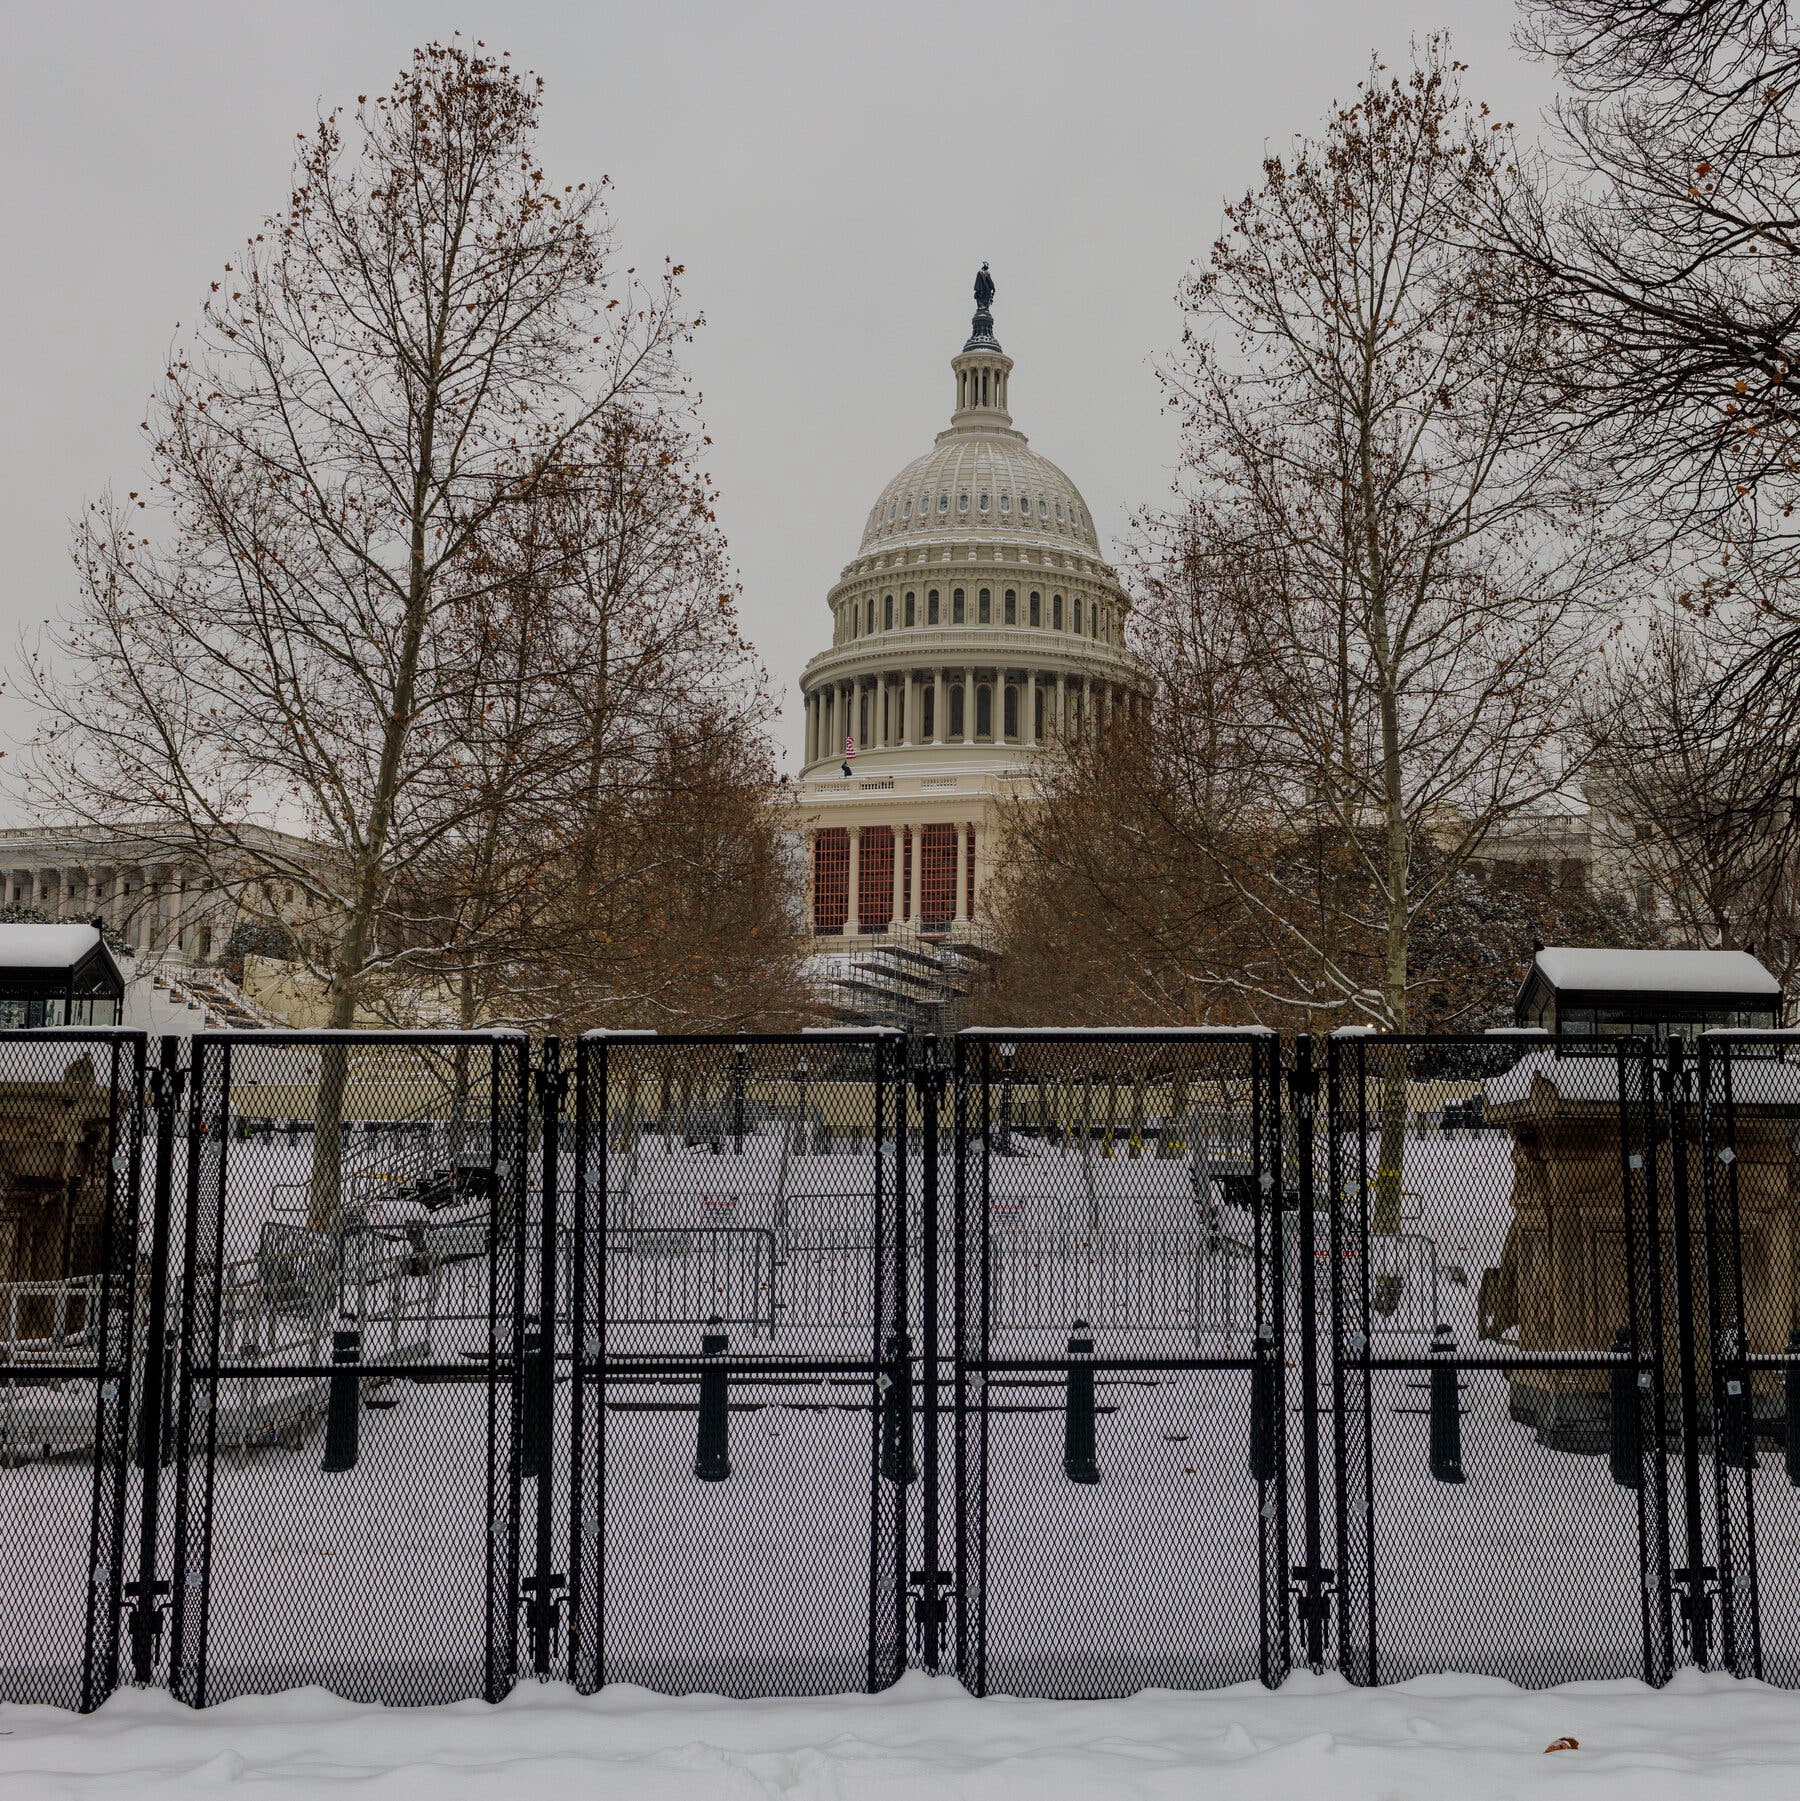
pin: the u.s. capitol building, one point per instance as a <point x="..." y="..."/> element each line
<point x="977" y="623"/>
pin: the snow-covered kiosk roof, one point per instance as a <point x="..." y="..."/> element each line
<point x="58" y="975"/>
<point x="1576" y="991"/>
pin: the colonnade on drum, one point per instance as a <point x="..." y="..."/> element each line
<point x="943" y="706"/>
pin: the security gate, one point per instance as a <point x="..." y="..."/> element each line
<point x="1500" y="1408"/>
<point x="1748" y="1383"/>
<point x="71" y="1130"/>
<point x="1120" y="1394"/>
<point x="350" y="1416"/>
<point x="742" y="1438"/>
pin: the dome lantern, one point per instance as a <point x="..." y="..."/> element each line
<point x="983" y="368"/>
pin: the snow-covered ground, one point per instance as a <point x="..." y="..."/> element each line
<point x="1477" y="1740"/>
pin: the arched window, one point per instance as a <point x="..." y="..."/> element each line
<point x="910" y="608"/>
<point x="862" y="736"/>
<point x="1037" y="717"/>
<point x="984" y="387"/>
<point x="956" y="607"/>
<point x="982" y="503"/>
<point x="887" y="613"/>
<point x="931" y="607"/>
<point x="928" y="723"/>
<point x="1012" y="606"/>
<point x="1012" y="711"/>
<point x="1094" y="621"/>
<point x="985" y="601"/>
<point x="984" y="711"/>
<point x="1037" y="610"/>
<point x="956" y="711"/>
<point x="962" y="502"/>
<point x="1056" y="612"/>
<point x="943" y="504"/>
<point x="1077" y="615"/>
<point x="1006" y="503"/>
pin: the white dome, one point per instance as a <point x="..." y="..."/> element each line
<point x="985" y="480"/>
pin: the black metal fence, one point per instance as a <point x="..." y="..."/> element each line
<point x="410" y="1364"/>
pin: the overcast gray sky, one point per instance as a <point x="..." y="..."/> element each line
<point x="831" y="175"/>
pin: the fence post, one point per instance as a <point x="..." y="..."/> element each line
<point x="1622" y="1435"/>
<point x="712" y="1455"/>
<point x="545" y="1582"/>
<point x="1314" y="1603"/>
<point x="929" y="1579"/>
<point x="341" y="1403"/>
<point x="1079" y="1462"/>
<point x="1790" y="1384"/>
<point x="146" y="1593"/>
<point x="1262" y="1409"/>
<point x="1446" y="1410"/>
<point x="1696" y="1599"/>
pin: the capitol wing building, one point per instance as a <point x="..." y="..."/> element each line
<point x="977" y="623"/>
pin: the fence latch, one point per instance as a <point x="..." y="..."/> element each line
<point x="931" y="1591"/>
<point x="543" y="1616"/>
<point x="149" y="1608"/>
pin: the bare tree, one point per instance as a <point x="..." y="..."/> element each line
<point x="1711" y="827"/>
<point x="1376" y="495"/>
<point x="388" y="364"/>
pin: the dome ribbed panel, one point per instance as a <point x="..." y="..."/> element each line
<point x="973" y="464"/>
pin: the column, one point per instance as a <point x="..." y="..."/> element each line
<point x="960" y="904"/>
<point x="968" y="736"/>
<point x="906" y="711"/>
<point x="1059" y="711"/>
<point x="939" y="696"/>
<point x="1028" y="725"/>
<point x="918" y="871"/>
<point x="899" y="878"/>
<point x="852" y="924"/>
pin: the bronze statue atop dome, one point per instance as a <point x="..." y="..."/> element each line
<point x="981" y="327"/>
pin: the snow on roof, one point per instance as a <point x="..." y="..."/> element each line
<point x="1654" y="972"/>
<point x="27" y="946"/>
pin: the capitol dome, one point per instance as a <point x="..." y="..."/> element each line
<point x="977" y="623"/>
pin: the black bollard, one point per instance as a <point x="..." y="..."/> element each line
<point x="341" y="1403"/>
<point x="897" y="1461"/>
<point x="531" y="1375"/>
<point x="1791" y="1395"/>
<point x="1079" y="1463"/>
<point x="1622" y="1437"/>
<point x="1262" y="1410"/>
<point x="712" y="1457"/>
<point x="1446" y="1411"/>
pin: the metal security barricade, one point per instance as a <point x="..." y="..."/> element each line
<point x="1500" y="1487"/>
<point x="71" y="1138"/>
<point x="1121" y="1481"/>
<point x="348" y="1452"/>
<point x="738" y="1487"/>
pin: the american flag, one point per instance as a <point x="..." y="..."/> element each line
<point x="849" y="749"/>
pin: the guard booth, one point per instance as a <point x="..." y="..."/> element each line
<point x="1584" y="1122"/>
<point x="58" y="975"/>
<point x="1578" y="994"/>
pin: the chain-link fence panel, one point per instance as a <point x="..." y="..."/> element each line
<point x="745" y="1436"/>
<point x="351" y="1432"/>
<point x="1120" y="1400"/>
<point x="1499" y="1401"/>
<point x="71" y="1136"/>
